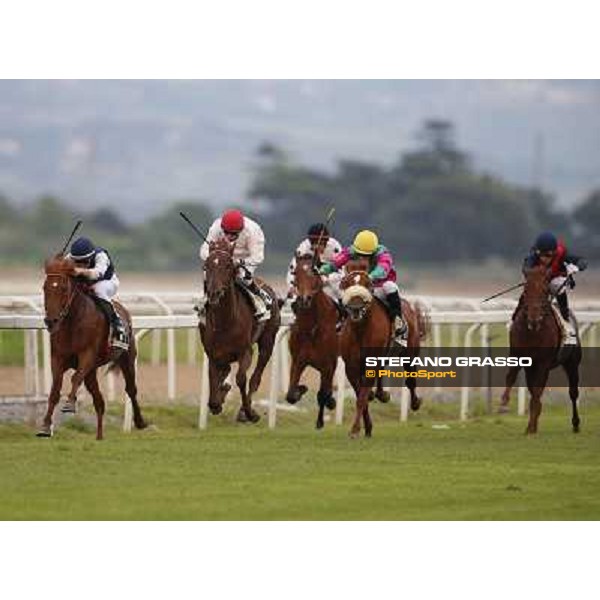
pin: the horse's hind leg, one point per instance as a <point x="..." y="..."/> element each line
<point x="91" y="383"/>
<point x="126" y="363"/>
<point x="511" y="377"/>
<point x="572" y="370"/>
<point x="246" y="412"/>
<point x="367" y="421"/>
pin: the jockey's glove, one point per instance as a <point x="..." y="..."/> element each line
<point x="326" y="269"/>
<point x="571" y="269"/>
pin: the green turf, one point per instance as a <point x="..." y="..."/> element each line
<point x="485" y="469"/>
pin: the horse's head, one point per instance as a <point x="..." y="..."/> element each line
<point x="536" y="295"/>
<point x="220" y="270"/>
<point x="59" y="290"/>
<point x="307" y="278"/>
<point x="356" y="292"/>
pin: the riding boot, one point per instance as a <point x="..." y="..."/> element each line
<point x="395" y="305"/>
<point x="119" y="334"/>
<point x="260" y="314"/>
<point x="563" y="305"/>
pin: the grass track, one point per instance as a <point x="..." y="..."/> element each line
<point x="486" y="469"/>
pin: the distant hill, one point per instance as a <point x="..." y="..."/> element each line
<point x="137" y="145"/>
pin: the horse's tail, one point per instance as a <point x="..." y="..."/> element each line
<point x="423" y="320"/>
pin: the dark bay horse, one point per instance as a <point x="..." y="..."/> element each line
<point x="536" y="332"/>
<point x="313" y="339"/>
<point x="369" y="326"/>
<point x="79" y="340"/>
<point x="231" y="331"/>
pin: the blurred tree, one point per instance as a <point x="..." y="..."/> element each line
<point x="107" y="220"/>
<point x="586" y="219"/>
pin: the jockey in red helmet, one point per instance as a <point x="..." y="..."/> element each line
<point x="249" y="252"/>
<point x="553" y="254"/>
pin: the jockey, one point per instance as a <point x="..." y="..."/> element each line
<point x="552" y="253"/>
<point x="381" y="273"/>
<point x="249" y="253"/>
<point x="95" y="265"/>
<point x="318" y="240"/>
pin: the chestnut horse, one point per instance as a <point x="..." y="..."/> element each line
<point x="313" y="339"/>
<point x="369" y="326"/>
<point x="231" y="330"/>
<point x="79" y="340"/>
<point x="535" y="332"/>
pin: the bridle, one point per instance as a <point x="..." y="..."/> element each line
<point x="215" y="296"/>
<point x="55" y="323"/>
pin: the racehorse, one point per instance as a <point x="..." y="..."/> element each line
<point x="79" y="334"/>
<point x="536" y="332"/>
<point x="231" y="331"/>
<point x="313" y="339"/>
<point x="369" y="326"/>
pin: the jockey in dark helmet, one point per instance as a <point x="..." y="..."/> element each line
<point x="95" y="265"/>
<point x="553" y="254"/>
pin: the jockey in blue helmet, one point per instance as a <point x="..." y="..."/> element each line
<point x="95" y="265"/>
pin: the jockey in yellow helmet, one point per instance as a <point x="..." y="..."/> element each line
<point x="381" y="272"/>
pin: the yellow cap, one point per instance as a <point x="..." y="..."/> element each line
<point x="365" y="242"/>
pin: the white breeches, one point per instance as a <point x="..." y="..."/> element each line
<point x="388" y="287"/>
<point x="556" y="283"/>
<point x="106" y="289"/>
<point x="331" y="286"/>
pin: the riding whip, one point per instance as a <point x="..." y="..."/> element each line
<point x="510" y="289"/>
<point x="200" y="234"/>
<point x="77" y="226"/>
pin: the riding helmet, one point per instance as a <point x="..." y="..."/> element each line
<point x="232" y="221"/>
<point x="546" y="242"/>
<point x="365" y="242"/>
<point x="318" y="230"/>
<point x="82" y="248"/>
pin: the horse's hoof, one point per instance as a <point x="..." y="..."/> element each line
<point x="371" y="396"/>
<point x="254" y="417"/>
<point x="140" y="424"/>
<point x="353" y="435"/>
<point x="241" y="417"/>
<point x="292" y="398"/>
<point x="44" y="432"/>
<point x="319" y="425"/>
<point x="215" y="409"/>
<point x="415" y="404"/>
<point x="384" y="397"/>
<point x="368" y="434"/>
<point x="68" y="408"/>
<point x="330" y="403"/>
<point x="576" y="429"/>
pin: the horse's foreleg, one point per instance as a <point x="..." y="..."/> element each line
<point x="536" y="382"/>
<point x="325" y="397"/>
<point x="91" y="383"/>
<point x="53" y="399"/>
<point x="511" y="377"/>
<point x="411" y="385"/>
<point x="246" y="412"/>
<point x="85" y="363"/>
<point x="126" y="363"/>
<point x="266" y="343"/>
<point x="381" y="394"/>
<point x="362" y="401"/>
<point x="295" y="391"/>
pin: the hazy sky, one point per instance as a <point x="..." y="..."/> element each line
<point x="136" y="145"/>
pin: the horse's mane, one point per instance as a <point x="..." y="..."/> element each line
<point x="59" y="265"/>
<point x="222" y="245"/>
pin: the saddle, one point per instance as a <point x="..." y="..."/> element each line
<point x="399" y="326"/>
